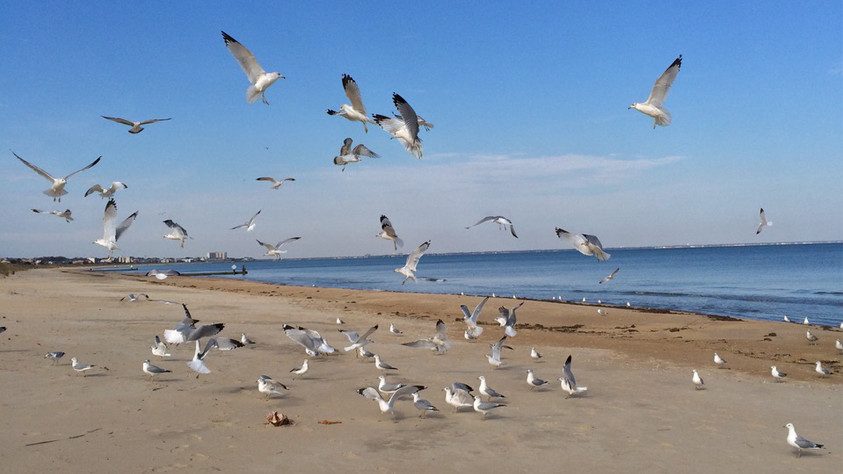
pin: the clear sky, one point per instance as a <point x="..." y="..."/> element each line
<point x="529" y="102"/>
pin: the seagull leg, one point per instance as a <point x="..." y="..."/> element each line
<point x="263" y="99"/>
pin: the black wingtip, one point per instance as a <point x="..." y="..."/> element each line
<point x="397" y="99"/>
<point x="568" y="360"/>
<point x="676" y="62"/>
<point x="331" y="112"/>
<point x="287" y="327"/>
<point x="227" y="37"/>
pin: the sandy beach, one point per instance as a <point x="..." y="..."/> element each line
<point x="641" y="410"/>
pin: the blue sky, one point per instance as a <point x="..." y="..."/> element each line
<point x="529" y="103"/>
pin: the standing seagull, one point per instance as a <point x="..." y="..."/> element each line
<point x="822" y="371"/>
<point x="584" y="243"/>
<point x="488" y="391"/>
<point x="275" y="250"/>
<point x="106" y="192"/>
<point x="356" y="112"/>
<point x="56" y="190"/>
<point x="721" y="362"/>
<point x="65" y="214"/>
<point x="422" y="405"/>
<point x="80" y="367"/>
<point x="276" y="183"/>
<point x="654" y="105"/>
<point x="153" y="370"/>
<point x="698" y="381"/>
<point x="260" y="80"/>
<point x="763" y="222"/>
<point x="137" y="127"/>
<point x="381" y="365"/>
<point x="270" y="387"/>
<point x="409" y="268"/>
<point x="249" y="225"/>
<point x="610" y="277"/>
<point x="347" y="155"/>
<point x="177" y="232"/>
<point x="388" y="233"/>
<point x="568" y="382"/>
<point x="111" y="231"/>
<point x="501" y="221"/>
<point x="300" y="370"/>
<point x="404" y="127"/>
<point x="799" y="442"/>
<point x="534" y="381"/>
<point x="777" y="376"/>
<point x="159" y="348"/>
<point x="485" y="407"/>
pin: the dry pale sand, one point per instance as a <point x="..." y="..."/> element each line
<point x="641" y="411"/>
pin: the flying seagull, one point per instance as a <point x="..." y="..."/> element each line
<point x="437" y="343"/>
<point x="763" y="222"/>
<point x="111" y="230"/>
<point x="388" y="233"/>
<point x="654" y="105"/>
<point x="388" y="406"/>
<point x="799" y="442"/>
<point x="276" y="183"/>
<point x="610" y="276"/>
<point x="311" y="340"/>
<point x="137" y="127"/>
<point x="106" y="192"/>
<point x="409" y="268"/>
<point x="275" y="251"/>
<point x="507" y="318"/>
<point x="473" y="331"/>
<point x="348" y="155"/>
<point x="56" y="190"/>
<point x="584" y="243"/>
<point x="249" y="225"/>
<point x="404" y="127"/>
<point x="260" y="80"/>
<point x="357" y="341"/>
<point x="356" y="112"/>
<point x="494" y="356"/>
<point x="501" y="221"/>
<point x="65" y="214"/>
<point x="186" y="329"/>
<point x="177" y="232"/>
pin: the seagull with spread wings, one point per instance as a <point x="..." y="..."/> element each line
<point x="501" y="221"/>
<point x="136" y="127"/>
<point x="404" y="127"/>
<point x="276" y="183"/>
<point x="275" y="250"/>
<point x="65" y="214"/>
<point x="388" y="233"/>
<point x="763" y="222"/>
<point x="249" y="225"/>
<point x="259" y="79"/>
<point x="473" y="331"/>
<point x="348" y="155"/>
<point x="56" y="190"/>
<point x="106" y="192"/>
<point x="177" y="232"/>
<point x="584" y="243"/>
<point x="654" y="107"/>
<point x="437" y="343"/>
<point x="111" y="230"/>
<point x="356" y="112"/>
<point x="409" y="268"/>
<point x="610" y="276"/>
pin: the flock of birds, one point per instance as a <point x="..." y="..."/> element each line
<point x="404" y="126"/>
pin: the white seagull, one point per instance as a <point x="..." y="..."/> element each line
<point x="393" y="329"/>
<point x="458" y="398"/>
<point x="159" y="348"/>
<point x="494" y="356"/>
<point x="810" y="337"/>
<point x="136" y="127"/>
<point x="388" y="406"/>
<point x="153" y="370"/>
<point x="437" y="343"/>
<point x="799" y="442"/>
<point x="838" y="345"/>
<point x="186" y="330"/>
<point x="270" y="387"/>
<point x="805" y="321"/>
<point x="610" y="276"/>
<point x="80" y="367"/>
<point x="357" y="341"/>
<point x="245" y="340"/>
<point x="654" y="106"/>
<point x="249" y="225"/>
<point x="276" y="251"/>
<point x="698" y="381"/>
<point x="356" y="112"/>
<point x="777" y="375"/>
<point x="534" y="354"/>
<point x="300" y="370"/>
<point x="721" y="362"/>
<point x="422" y="405"/>
<point x="106" y="192"/>
<point x="276" y="183"/>
<point x="409" y="268"/>
<point x="348" y="155"/>
<point x="56" y="190"/>
<point x="177" y="232"/>
<point x="501" y="221"/>
<point x="822" y="371"/>
<point x="259" y="79"/>
<point x="381" y="365"/>
<point x="584" y="243"/>
<point x="311" y="340"/>
<point x="507" y="318"/>
<point x="388" y="388"/>
<point x="485" y="407"/>
<point x="763" y="222"/>
<point x="111" y="230"/>
<point x="388" y="233"/>
<point x="404" y="127"/>
<point x="568" y="382"/>
<point x="65" y="214"/>
<point x="473" y="331"/>
<point x="488" y="391"/>
<point x="534" y="381"/>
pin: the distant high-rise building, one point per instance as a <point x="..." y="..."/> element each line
<point x="217" y="255"/>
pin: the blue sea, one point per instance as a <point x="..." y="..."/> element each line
<point x="757" y="282"/>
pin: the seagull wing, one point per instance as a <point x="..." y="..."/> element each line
<point x="366" y="334"/>
<point x="94" y="189"/>
<point x="147" y="122"/>
<point x="421" y="344"/>
<point x="285" y="241"/>
<point x="205" y="330"/>
<point x="176" y="227"/>
<point x="85" y="168"/>
<point x="109" y="221"/>
<point x="662" y="85"/>
<point x="408" y="115"/>
<point x="300" y="337"/>
<point x="441" y="333"/>
<point x="119" y="120"/>
<point x="352" y="336"/>
<point x="255" y="216"/>
<point x="345" y="149"/>
<point x="386" y="226"/>
<point x="124" y="225"/>
<point x="267" y="178"/>
<point x="413" y="258"/>
<point x="391" y="125"/>
<point x="353" y="93"/>
<point x="370" y="393"/>
<point x="477" y="309"/>
<point x="35" y="168"/>
<point x="361" y="150"/>
<point x="485" y="219"/>
<point x="569" y="376"/>
<point x="226" y="344"/>
<point x="244" y="57"/>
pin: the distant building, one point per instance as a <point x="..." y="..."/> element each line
<point x="125" y="259"/>
<point x="217" y="255"/>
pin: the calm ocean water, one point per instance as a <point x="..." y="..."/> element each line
<point x="759" y="282"/>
